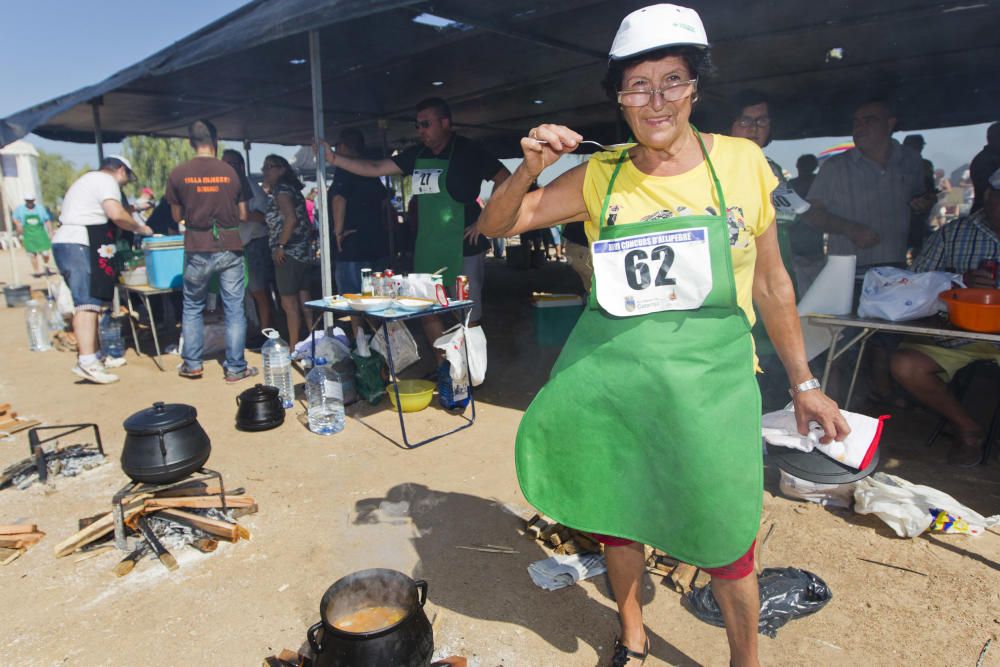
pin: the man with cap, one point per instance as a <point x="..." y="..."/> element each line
<point x="33" y="223"/>
<point x="924" y="369"/>
<point x="83" y="247"/>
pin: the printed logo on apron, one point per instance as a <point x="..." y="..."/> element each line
<point x="33" y="219"/>
<point x="427" y="181"/>
<point x="651" y="273"/>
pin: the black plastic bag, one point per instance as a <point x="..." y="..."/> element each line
<point x="785" y="593"/>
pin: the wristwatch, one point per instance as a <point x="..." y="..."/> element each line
<point x="811" y="383"/>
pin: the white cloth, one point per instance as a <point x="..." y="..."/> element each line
<point x="558" y="571"/>
<point x="83" y="206"/>
<point x="780" y="429"/>
<point x="258" y="203"/>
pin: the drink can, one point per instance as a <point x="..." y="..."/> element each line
<point x="367" y="288"/>
<point x="990" y="265"/>
<point x="462" y="288"/>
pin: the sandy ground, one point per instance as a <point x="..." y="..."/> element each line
<point x="319" y="520"/>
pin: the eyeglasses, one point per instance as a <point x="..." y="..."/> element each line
<point x="673" y="92"/>
<point x="422" y="124"/>
<point x="270" y="166"/>
<point x="748" y="122"/>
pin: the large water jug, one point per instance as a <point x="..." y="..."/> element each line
<point x="54" y="318"/>
<point x="38" y="327"/>
<point x="110" y="334"/>
<point x="324" y="394"/>
<point x="277" y="362"/>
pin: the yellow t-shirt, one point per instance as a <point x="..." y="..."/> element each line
<point x="747" y="182"/>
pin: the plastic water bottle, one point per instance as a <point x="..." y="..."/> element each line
<point x="277" y="362"/>
<point x="53" y="316"/>
<point x="110" y="334"/>
<point x="325" y="396"/>
<point x="38" y="327"/>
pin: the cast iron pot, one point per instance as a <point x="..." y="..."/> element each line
<point x="164" y="444"/>
<point x="259" y="408"/>
<point x="407" y="643"/>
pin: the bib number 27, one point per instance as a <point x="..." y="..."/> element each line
<point x="637" y="267"/>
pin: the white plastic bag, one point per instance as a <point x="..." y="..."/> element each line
<point x="910" y="509"/>
<point x="476" y="340"/>
<point x="898" y="295"/>
<point x="403" y="347"/>
<point x="452" y="342"/>
<point x="64" y="299"/>
<point x="827" y="495"/>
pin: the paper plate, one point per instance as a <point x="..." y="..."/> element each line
<point x="370" y="304"/>
<point x="815" y="466"/>
<point x="413" y="304"/>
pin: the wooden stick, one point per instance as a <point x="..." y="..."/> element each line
<point x="224" y="529"/>
<point x="99" y="528"/>
<point x="198" y="489"/>
<point x="8" y="556"/>
<point x="87" y="555"/>
<point x="18" y="425"/>
<point x="681" y="577"/>
<point x="18" y="528"/>
<point x="895" y="567"/>
<point x="21" y="541"/>
<point x="198" y="502"/>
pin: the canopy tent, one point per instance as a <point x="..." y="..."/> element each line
<point x="507" y="66"/>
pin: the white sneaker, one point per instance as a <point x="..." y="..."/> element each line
<point x="114" y="362"/>
<point x="95" y="373"/>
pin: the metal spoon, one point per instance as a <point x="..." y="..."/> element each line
<point x="608" y="147"/>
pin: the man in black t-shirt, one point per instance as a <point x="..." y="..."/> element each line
<point x="359" y="217"/>
<point x="448" y="171"/>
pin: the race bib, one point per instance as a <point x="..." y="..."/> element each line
<point x="425" y="181"/>
<point x="787" y="201"/>
<point x="653" y="272"/>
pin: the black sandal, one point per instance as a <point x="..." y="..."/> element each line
<point x="623" y="655"/>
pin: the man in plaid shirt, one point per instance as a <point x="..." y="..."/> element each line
<point x="925" y="369"/>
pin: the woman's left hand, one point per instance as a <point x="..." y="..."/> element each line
<point x="278" y="255"/>
<point x="814" y="405"/>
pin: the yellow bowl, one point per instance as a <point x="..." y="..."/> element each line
<point x="415" y="395"/>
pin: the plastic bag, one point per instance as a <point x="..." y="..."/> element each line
<point x="403" y="347"/>
<point x="453" y="344"/>
<point x="475" y="338"/>
<point x="64" y="299"/>
<point x="369" y="382"/>
<point x="827" y="495"/>
<point x="785" y="593"/>
<point x="910" y="509"/>
<point x="897" y="295"/>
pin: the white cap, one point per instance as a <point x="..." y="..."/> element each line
<point x="995" y="180"/>
<point x="655" y="27"/>
<point x="128" y="165"/>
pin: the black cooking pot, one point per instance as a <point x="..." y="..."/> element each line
<point x="259" y="408"/>
<point x="406" y="643"/>
<point x="164" y="444"/>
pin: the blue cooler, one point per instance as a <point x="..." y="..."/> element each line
<point x="164" y="261"/>
<point x="554" y="316"/>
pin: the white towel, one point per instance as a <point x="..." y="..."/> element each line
<point x="559" y="571"/>
<point x="780" y="429"/>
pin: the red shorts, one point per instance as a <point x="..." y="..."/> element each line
<point x="736" y="570"/>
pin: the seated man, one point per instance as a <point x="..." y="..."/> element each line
<point x="924" y="369"/>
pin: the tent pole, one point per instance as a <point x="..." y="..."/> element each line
<point x="246" y="155"/>
<point x="98" y="139"/>
<point x="322" y="223"/>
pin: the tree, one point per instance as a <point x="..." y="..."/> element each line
<point x="56" y="174"/>
<point x="153" y="158"/>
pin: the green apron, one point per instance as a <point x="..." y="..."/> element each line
<point x="649" y="426"/>
<point x="440" y="220"/>
<point x="36" y="239"/>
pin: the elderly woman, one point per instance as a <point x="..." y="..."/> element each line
<point x="291" y="237"/>
<point x="648" y="431"/>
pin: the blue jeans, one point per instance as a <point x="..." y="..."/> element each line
<point x="198" y="270"/>
<point x="73" y="260"/>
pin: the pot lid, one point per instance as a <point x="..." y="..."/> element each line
<point x="259" y="392"/>
<point x="159" y="418"/>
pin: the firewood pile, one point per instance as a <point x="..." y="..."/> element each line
<point x="10" y="423"/>
<point x="567" y="541"/>
<point x="184" y="516"/>
<point x="17" y="538"/>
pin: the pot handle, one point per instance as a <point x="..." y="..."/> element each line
<point x="311" y="636"/>
<point x="422" y="588"/>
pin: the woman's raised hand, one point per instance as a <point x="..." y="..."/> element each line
<point x="558" y="139"/>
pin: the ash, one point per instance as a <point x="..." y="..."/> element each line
<point x="174" y="535"/>
<point x="67" y="462"/>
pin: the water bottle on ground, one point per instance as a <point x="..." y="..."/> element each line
<point x="110" y="334"/>
<point x="324" y="394"/>
<point x="38" y="327"/>
<point x="53" y="316"/>
<point x="277" y="361"/>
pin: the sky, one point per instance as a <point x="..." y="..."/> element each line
<point x="71" y="52"/>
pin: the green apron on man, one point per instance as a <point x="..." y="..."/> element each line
<point x="649" y="427"/>
<point x="36" y="239"/>
<point x="440" y="220"/>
